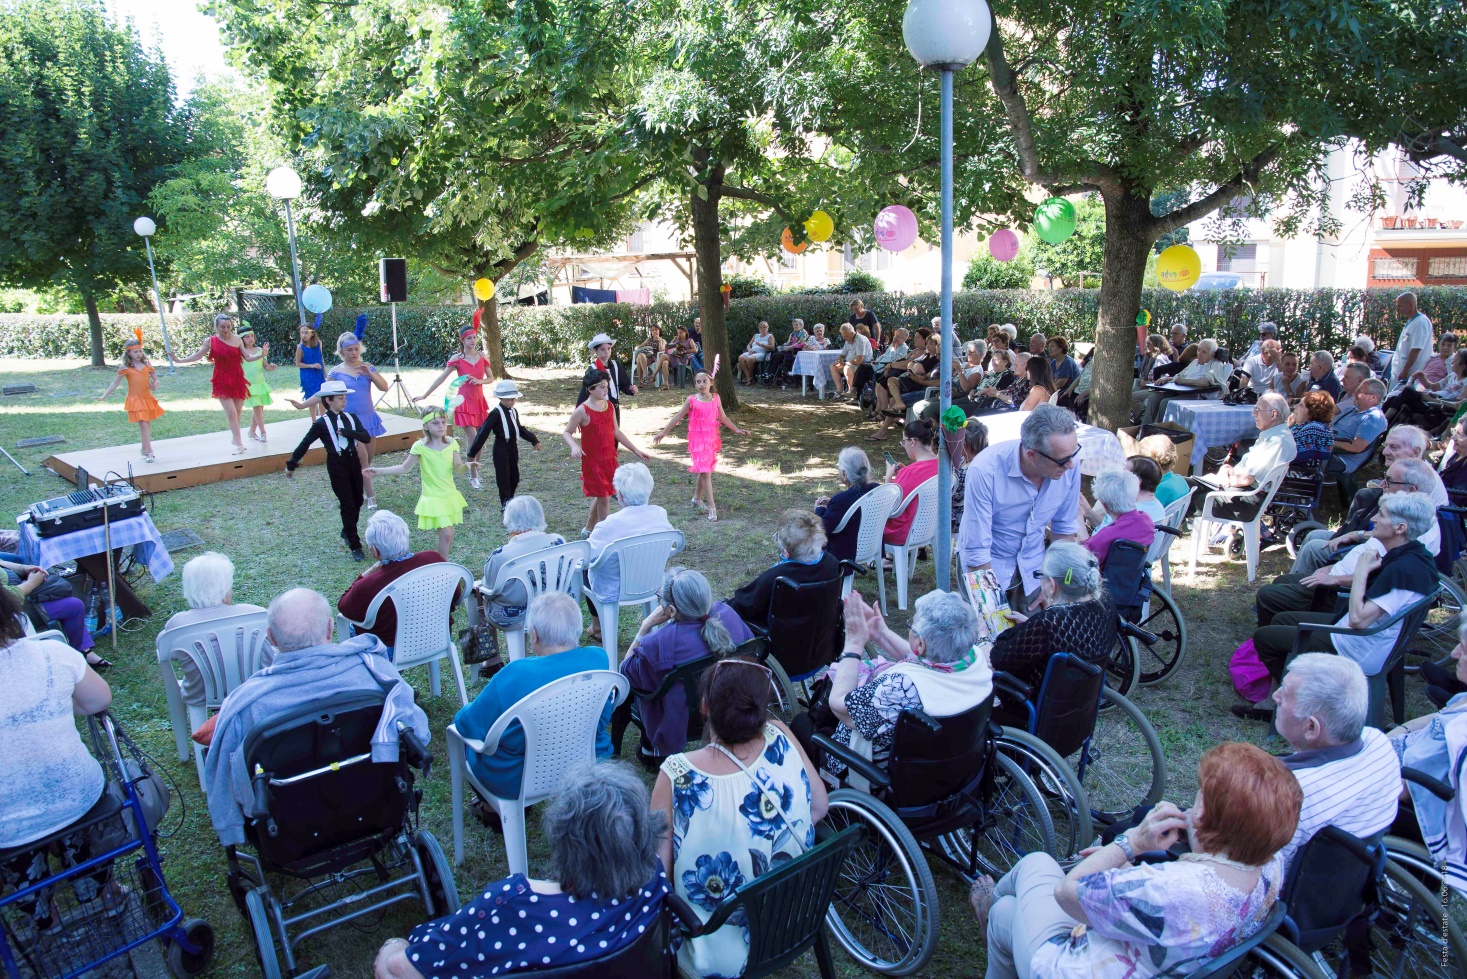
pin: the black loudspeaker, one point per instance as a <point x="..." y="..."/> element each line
<point x="392" y="276"/>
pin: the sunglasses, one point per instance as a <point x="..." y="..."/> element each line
<point x="1062" y="463"/>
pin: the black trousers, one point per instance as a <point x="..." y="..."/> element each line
<point x="864" y="374"/>
<point x="1275" y="642"/>
<point x="506" y="469"/>
<point x="346" y="483"/>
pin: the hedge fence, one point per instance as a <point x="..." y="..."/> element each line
<point x="1307" y="319"/>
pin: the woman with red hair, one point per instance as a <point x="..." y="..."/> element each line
<point x="1111" y="917"/>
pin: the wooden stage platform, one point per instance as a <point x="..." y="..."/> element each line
<point x="198" y="459"/>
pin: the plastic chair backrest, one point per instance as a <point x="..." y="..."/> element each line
<point x="422" y="598"/>
<point x="1068" y="703"/>
<point x="550" y="569"/>
<point x="806" y="627"/>
<point x="686" y="677"/>
<point x="1172" y="516"/>
<point x="872" y="510"/>
<point x="1227" y="963"/>
<point x="560" y="722"/>
<point x="648" y="957"/>
<point x="642" y="561"/>
<point x="931" y="758"/>
<point x="1327" y="884"/>
<point x="924" y="523"/>
<point x="227" y="651"/>
<point x="785" y="907"/>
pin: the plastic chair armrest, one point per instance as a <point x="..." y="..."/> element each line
<point x="1435" y="786"/>
<point x="853" y="761"/>
<point x="477" y="747"/>
<point x="683" y="914"/>
<point x="319" y="972"/>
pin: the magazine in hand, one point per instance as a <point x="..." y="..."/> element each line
<point x="990" y="601"/>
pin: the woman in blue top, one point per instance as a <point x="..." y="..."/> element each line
<point x="854" y="467"/>
<point x="605" y="890"/>
<point x="1310" y="425"/>
<point x="309" y="362"/>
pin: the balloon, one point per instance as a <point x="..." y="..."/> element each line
<point x="1055" y="220"/>
<point x="483" y="290"/>
<point x="896" y="228"/>
<point x="819" y="227"/>
<point x="316" y="298"/>
<point x="788" y="241"/>
<point x="1004" y="245"/>
<point x="1179" y="267"/>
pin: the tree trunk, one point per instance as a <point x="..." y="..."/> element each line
<point x="1128" y="238"/>
<point x="94" y="319"/>
<point x="707" y="245"/>
<point x="489" y="335"/>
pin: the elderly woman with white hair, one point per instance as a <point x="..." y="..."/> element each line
<point x="208" y="587"/>
<point x="854" y="468"/>
<point x="604" y="890"/>
<point x="1117" y="490"/>
<point x="637" y="516"/>
<point x="803" y="557"/>
<point x="390" y="543"/>
<point x="524" y="519"/>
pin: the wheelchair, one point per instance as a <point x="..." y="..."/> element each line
<point x="1293" y="513"/>
<point x="1094" y="767"/>
<point x="947" y="785"/>
<point x="1437" y="636"/>
<point x="1449" y="891"/>
<point x="1153" y="633"/>
<point x="305" y="763"/>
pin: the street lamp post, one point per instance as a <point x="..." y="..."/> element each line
<point x="284" y="184"/>
<point x="145" y="228"/>
<point x="946" y="35"/>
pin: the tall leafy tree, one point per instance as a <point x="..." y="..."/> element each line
<point x="90" y="127"/>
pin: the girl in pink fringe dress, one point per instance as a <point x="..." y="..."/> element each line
<point x="704" y="412"/>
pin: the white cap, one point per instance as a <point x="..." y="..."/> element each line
<point x="330" y="389"/>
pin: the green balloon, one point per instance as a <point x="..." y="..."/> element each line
<point x="1055" y="220"/>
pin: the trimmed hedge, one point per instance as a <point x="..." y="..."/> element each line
<point x="1308" y="319"/>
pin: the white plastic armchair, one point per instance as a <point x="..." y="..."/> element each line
<point x="423" y="599"/>
<point x="29" y="628"/>
<point x="560" y="723"/>
<point x="871" y="510"/>
<point x="1205" y="524"/>
<point x="227" y="651"/>
<point x="1161" y="548"/>
<point x="640" y="562"/>
<point x="919" y="535"/>
<point x="551" y="569"/>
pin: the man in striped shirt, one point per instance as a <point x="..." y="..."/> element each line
<point x="1349" y="773"/>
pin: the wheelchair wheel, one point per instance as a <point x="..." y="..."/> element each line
<point x="1017" y="822"/>
<point x="1064" y="796"/>
<point x="884" y="911"/>
<point x="1122" y="670"/>
<point x="186" y="965"/>
<point x="1294" y="539"/>
<point x="1437" y="636"/>
<point x="1407" y="937"/>
<point x="259" y="915"/>
<point x="1160" y="661"/>
<point x="1414" y="859"/>
<point x="785" y="703"/>
<point x="1278" y="958"/>
<point x="437" y="875"/>
<point x="1122" y="766"/>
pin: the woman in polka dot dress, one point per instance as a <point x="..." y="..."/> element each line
<point x="520" y="924"/>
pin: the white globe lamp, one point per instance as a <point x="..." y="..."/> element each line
<point x="283" y="184"/>
<point x="946" y="33"/>
<point x="144" y="227"/>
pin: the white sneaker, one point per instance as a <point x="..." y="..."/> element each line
<point x="371" y="502"/>
<point x="475" y="482"/>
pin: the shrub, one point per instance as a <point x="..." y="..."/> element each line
<point x="987" y="272"/>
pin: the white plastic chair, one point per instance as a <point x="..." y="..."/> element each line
<point x="550" y="569"/>
<point x="227" y="651"/>
<point x="919" y="535"/>
<point x="1161" y="548"/>
<point x="423" y="598"/>
<point x="29" y="628"/>
<point x="560" y="723"/>
<point x="1205" y="524"/>
<point x="641" y="561"/>
<point x="871" y="510"/>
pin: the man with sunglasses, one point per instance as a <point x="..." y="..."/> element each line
<point x="1016" y="492"/>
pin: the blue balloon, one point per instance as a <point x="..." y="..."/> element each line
<point x="316" y="298"/>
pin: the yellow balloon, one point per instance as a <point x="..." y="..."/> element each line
<point x="483" y="290"/>
<point x="1179" y="267"/>
<point x="819" y="227"/>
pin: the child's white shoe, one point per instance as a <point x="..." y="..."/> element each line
<point x="475" y="482"/>
<point x="371" y="502"/>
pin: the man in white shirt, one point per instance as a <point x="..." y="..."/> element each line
<point x="1207" y="371"/>
<point x="1349" y="772"/>
<point x="1413" y="348"/>
<point x="1275" y="446"/>
<point x="857" y="351"/>
<point x="1266" y="331"/>
<point x="633" y="484"/>
<point x="1262" y="367"/>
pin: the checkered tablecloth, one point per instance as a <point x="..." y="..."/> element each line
<point x="1211" y="423"/>
<point x="1099" y="448"/>
<point x="815" y="364"/>
<point x="139" y="532"/>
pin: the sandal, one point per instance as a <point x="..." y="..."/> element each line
<point x="713" y="514"/>
<point x="876" y="437"/>
<point x="100" y="665"/>
<point x="980" y="899"/>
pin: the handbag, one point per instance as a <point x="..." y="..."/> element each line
<point x="1249" y="675"/>
<point x="479" y="643"/>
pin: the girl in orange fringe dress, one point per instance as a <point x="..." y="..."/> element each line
<point x="142" y="381"/>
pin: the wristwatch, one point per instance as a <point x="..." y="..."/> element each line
<point x="848" y="655"/>
<point x="1126" y="847"/>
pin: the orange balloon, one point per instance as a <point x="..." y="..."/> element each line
<point x="788" y="240"/>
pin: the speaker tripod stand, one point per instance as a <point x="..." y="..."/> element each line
<point x="397" y="389"/>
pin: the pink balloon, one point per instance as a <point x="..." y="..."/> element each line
<point x="1004" y="245"/>
<point x="896" y="228"/>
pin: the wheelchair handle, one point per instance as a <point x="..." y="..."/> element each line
<point x="1138" y="633"/>
<point x="416" y="752"/>
<point x="1435" y="786"/>
<point x="1012" y="686"/>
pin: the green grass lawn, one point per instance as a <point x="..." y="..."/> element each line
<point x="282" y="533"/>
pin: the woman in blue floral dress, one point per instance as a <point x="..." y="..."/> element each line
<point x="726" y="829"/>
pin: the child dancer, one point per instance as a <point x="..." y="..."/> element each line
<point x="360" y="378"/>
<point x="704" y="412"/>
<point x="254" y="371"/>
<point x="226" y="352"/>
<point x="595" y="418"/>
<point x="441" y="505"/>
<point x="142" y="381"/>
<point x="341" y="433"/>
<point x="310" y="363"/>
<point x="474" y="369"/>
<point x="504" y="424"/>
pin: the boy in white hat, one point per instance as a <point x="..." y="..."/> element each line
<point x="601" y="345"/>
<point x="504" y="424"/>
<point x="339" y="431"/>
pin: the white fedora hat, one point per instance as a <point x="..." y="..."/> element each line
<point x="598" y="340"/>
<point x="506" y="389"/>
<point x="330" y="389"/>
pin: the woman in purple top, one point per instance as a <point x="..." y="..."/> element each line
<point x="685" y="627"/>
<point x="1116" y="490"/>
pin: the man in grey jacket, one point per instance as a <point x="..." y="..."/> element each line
<point x="308" y="667"/>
